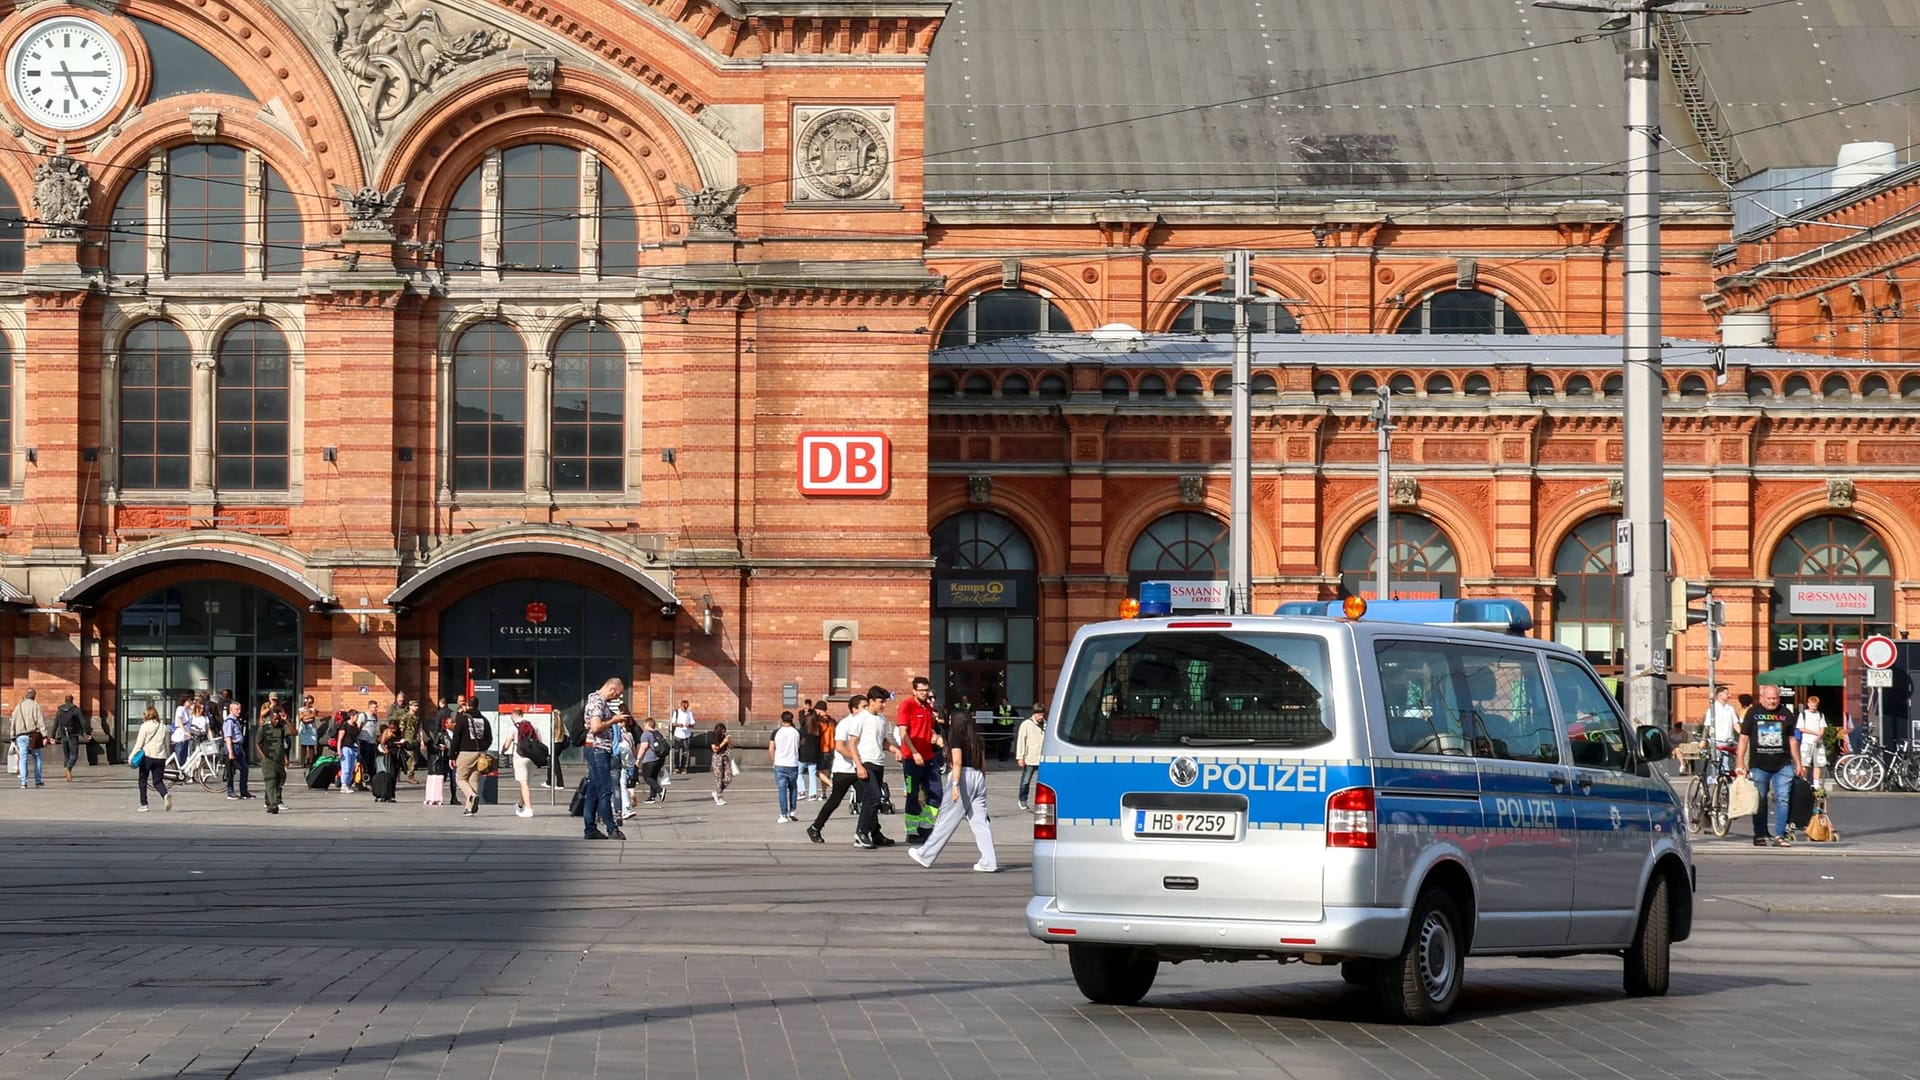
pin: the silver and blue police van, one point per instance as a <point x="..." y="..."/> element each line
<point x="1340" y="789"/>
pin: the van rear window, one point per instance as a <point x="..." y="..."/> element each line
<point x="1220" y="689"/>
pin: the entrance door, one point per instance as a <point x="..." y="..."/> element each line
<point x="202" y="637"/>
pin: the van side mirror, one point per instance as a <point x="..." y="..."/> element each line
<point x="1654" y="744"/>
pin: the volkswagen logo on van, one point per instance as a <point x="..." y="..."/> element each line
<point x="1184" y="771"/>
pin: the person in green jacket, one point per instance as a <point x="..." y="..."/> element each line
<point x="273" y="741"/>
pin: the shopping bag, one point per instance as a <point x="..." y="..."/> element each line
<point x="1744" y="799"/>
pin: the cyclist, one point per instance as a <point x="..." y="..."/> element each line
<point x="1723" y="728"/>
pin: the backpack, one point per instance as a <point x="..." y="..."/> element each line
<point x="529" y="746"/>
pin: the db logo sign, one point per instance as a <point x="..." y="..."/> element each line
<point x="536" y="613"/>
<point x="845" y="463"/>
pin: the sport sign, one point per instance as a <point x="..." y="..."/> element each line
<point x="857" y="463"/>
<point x="1878" y="652"/>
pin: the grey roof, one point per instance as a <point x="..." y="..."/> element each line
<point x="1356" y="350"/>
<point x="1173" y="99"/>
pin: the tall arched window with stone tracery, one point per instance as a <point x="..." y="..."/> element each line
<point x="540" y="208"/>
<point x="215" y="210"/>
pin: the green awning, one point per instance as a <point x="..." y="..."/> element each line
<point x="1826" y="671"/>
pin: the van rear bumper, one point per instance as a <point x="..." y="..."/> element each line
<point x="1345" y="931"/>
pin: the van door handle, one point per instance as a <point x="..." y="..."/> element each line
<point x="1584" y="783"/>
<point x="1557" y="779"/>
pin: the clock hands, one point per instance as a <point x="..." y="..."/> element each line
<point x="74" y="87"/>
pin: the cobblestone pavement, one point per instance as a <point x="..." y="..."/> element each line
<point x="348" y="940"/>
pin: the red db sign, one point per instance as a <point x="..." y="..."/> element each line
<point x="845" y="463"/>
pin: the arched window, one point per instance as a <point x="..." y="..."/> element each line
<point x="1401" y="383"/>
<point x="1187" y="386"/>
<point x="1540" y="385"/>
<point x="1439" y="386"/>
<point x="977" y="385"/>
<point x="1610" y="386"/>
<point x="1479" y="385"/>
<point x="1016" y="385"/>
<point x="1586" y="594"/>
<point x="1266" y="315"/>
<point x="1873" y="386"/>
<point x="1463" y="311"/>
<point x="13" y="233"/>
<point x="1325" y="385"/>
<point x="1153" y="386"/>
<point x="1797" y="386"/>
<point x="1263" y="385"/>
<point x="1759" y="388"/>
<point x="1363" y="384"/>
<point x="489" y="409"/>
<point x="543" y="194"/>
<point x="1183" y="546"/>
<point x="985" y="605"/>
<point x="1222" y="384"/>
<point x="156" y="408"/>
<point x="250" y="409"/>
<point x="1421" y="563"/>
<point x="1832" y="582"/>
<point x="1910" y="386"/>
<point x="1579" y="386"/>
<point x="212" y="191"/>
<point x="127" y="230"/>
<point x="940" y="385"/>
<point x="1114" y="387"/>
<point x="1836" y="386"/>
<point x="1052" y="386"/>
<point x="589" y="409"/>
<point x="998" y="314"/>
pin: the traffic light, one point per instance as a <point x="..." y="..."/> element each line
<point x="1684" y="614"/>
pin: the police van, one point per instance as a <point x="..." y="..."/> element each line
<point x="1385" y="796"/>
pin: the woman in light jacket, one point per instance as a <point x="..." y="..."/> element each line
<point x="153" y="744"/>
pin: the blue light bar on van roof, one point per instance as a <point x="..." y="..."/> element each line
<point x="1499" y="616"/>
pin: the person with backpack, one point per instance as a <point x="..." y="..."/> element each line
<point x="526" y="751"/>
<point x="722" y="746"/>
<point x="653" y="755"/>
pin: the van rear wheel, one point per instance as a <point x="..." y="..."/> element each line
<point x="1112" y="974"/>
<point x="1648" y="959"/>
<point x="1420" y="985"/>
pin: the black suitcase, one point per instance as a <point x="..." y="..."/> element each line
<point x="324" y="774"/>
<point x="383" y="783"/>
<point x="1800" y="804"/>
<point x="577" y="806"/>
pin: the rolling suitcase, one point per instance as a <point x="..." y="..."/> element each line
<point x="1800" y="804"/>
<point x="323" y="773"/>
<point x="383" y="782"/>
<point x="436" y="794"/>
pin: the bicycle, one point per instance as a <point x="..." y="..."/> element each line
<point x="203" y="766"/>
<point x="1874" y="767"/>
<point x="1708" y="798"/>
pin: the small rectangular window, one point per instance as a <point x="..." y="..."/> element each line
<point x="840" y="666"/>
<point x="1199" y="689"/>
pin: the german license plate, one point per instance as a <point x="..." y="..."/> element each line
<point x="1188" y="824"/>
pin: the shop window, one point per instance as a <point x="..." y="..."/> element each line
<point x="999" y="314"/>
<point x="156" y="408"/>
<point x="589" y="409"/>
<point x="489" y="409"/>
<point x="1586" y="594"/>
<point x="1421" y="563"/>
<point x="985" y="602"/>
<point x="1838" y="553"/>
<point x="1463" y="311"/>
<point x="250" y="409"/>
<point x="1266" y="316"/>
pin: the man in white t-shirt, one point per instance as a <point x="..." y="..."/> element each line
<point x="1722" y="728"/>
<point x="870" y="771"/>
<point x="1811" y="729"/>
<point x="681" y="723"/>
<point x="783" y="748"/>
<point x="845" y="734"/>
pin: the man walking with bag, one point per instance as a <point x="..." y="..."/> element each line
<point x="1769" y="754"/>
<point x="472" y="737"/>
<point x="29" y="730"/>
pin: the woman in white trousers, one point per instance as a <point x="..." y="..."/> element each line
<point x="966" y="797"/>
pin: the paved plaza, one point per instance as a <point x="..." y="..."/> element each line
<point x="345" y="939"/>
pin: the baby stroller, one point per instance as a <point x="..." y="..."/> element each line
<point x="886" y="798"/>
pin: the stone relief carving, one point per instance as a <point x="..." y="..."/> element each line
<point x="714" y="210"/>
<point x="1616" y="491"/>
<point x="844" y="154"/>
<point x="1840" y="494"/>
<point x="60" y="195"/>
<point x="398" y="49"/>
<point x="979" y="488"/>
<point x="1193" y="490"/>
<point x="369" y="210"/>
<point x="542" y="73"/>
<point x="1405" y="491"/>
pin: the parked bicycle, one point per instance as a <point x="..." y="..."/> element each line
<point x="1877" y="768"/>
<point x="204" y="766"/>
<point x="1708" y="799"/>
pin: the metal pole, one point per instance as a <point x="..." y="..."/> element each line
<point x="1382" y="547"/>
<point x="1646" y="617"/>
<point x="1240" y="516"/>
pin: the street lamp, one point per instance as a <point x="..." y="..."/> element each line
<point x="1644" y="529"/>
<point x="1382" y="416"/>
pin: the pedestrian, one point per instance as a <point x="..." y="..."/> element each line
<point x="522" y="731"/>
<point x="1033" y="734"/>
<point x="622" y="732"/>
<point x="233" y="740"/>
<point x="1722" y="731"/>
<point x="151" y="746"/>
<point x="721" y="744"/>
<point x="807" y="782"/>
<point x="1811" y="730"/>
<point x="406" y="724"/>
<point x="653" y="755"/>
<point x="681" y="723"/>
<point x="920" y="764"/>
<point x="368" y="725"/>
<point x="597" y="716"/>
<point x="309" y="732"/>
<point x="70" y="728"/>
<point x="386" y="763"/>
<point x="434" y="743"/>
<point x="181" y="734"/>
<point x="967" y="797"/>
<point x="346" y="737"/>
<point x="472" y="737"/>
<point x="843" y="772"/>
<point x="875" y="739"/>
<point x="783" y="749"/>
<point x="28" y="726"/>
<point x="1769" y="754"/>
<point x="273" y="741"/>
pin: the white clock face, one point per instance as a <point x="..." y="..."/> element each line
<point x="66" y="73"/>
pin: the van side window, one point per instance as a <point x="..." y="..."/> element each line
<point x="1593" y="723"/>
<point x="1509" y="716"/>
<point x="1421" y="695"/>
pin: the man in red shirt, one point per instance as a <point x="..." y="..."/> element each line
<point x="920" y="759"/>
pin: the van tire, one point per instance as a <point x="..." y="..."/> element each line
<point x="1420" y="985"/>
<point x="1648" y="960"/>
<point x="1360" y="972"/>
<point x="1112" y="974"/>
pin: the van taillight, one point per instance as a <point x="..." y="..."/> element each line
<point x="1045" y="813"/>
<point x="1350" y="818"/>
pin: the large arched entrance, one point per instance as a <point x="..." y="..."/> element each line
<point x="544" y="641"/>
<point x="206" y="637"/>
